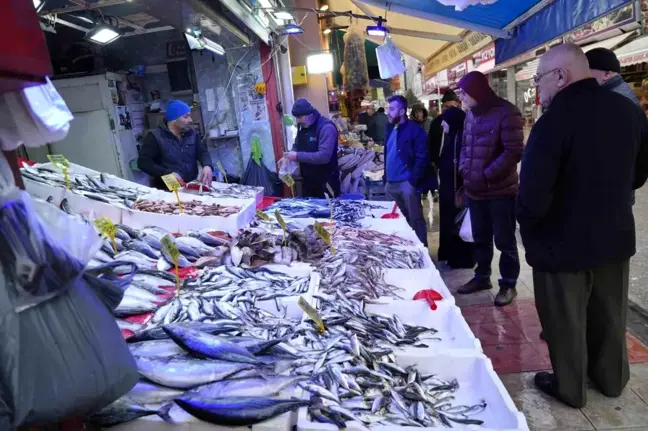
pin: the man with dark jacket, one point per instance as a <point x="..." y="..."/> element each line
<point x="407" y="165"/>
<point x="577" y="225"/>
<point x="175" y="148"/>
<point x="606" y="69"/>
<point x="378" y="126"/>
<point x="315" y="149"/>
<point x="493" y="141"/>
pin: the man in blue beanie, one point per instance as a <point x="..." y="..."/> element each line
<point x="315" y="149"/>
<point x="175" y="148"/>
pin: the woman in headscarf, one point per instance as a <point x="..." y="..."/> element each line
<point x="420" y="115"/>
<point x="444" y="153"/>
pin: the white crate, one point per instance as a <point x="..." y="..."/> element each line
<point x="414" y="280"/>
<point x="477" y="382"/>
<point x="447" y="319"/>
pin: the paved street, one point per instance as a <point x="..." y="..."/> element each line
<point x="639" y="264"/>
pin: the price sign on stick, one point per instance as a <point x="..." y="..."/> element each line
<point x="108" y="229"/>
<point x="324" y="234"/>
<point x="290" y="182"/>
<point x="221" y="169"/>
<point x="312" y="313"/>
<point x="173" y="185"/>
<point x="172" y="251"/>
<point x="262" y="215"/>
<point x="282" y="223"/>
<point x="60" y="162"/>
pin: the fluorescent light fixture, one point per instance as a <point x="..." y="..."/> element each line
<point x="321" y="62"/>
<point x="327" y="31"/>
<point x="103" y="34"/>
<point x="289" y="29"/>
<point x="201" y="43"/>
<point x="286" y="16"/>
<point x="377" y="30"/>
<point x="38" y="5"/>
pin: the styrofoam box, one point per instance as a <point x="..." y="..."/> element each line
<point x="182" y="222"/>
<point x="415" y="280"/>
<point x="477" y="382"/>
<point x="293" y="310"/>
<point x="447" y="319"/>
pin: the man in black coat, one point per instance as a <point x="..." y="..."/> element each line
<point x="577" y="225"/>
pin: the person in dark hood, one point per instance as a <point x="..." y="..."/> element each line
<point x="420" y="115"/>
<point x="444" y="140"/>
<point x="315" y="149"/>
<point x="493" y="141"/>
<point x="175" y="148"/>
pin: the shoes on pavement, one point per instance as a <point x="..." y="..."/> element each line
<point x="505" y="296"/>
<point x="546" y="382"/>
<point x="475" y="285"/>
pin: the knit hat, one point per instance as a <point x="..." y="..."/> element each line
<point x="449" y="96"/>
<point x="603" y="59"/>
<point x="302" y="107"/>
<point x="176" y="109"/>
<point x="475" y="84"/>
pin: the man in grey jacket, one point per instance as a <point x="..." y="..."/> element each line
<point x="605" y="67"/>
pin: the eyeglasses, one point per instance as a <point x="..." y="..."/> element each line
<point x="538" y="77"/>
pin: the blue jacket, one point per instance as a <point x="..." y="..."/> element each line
<point x="163" y="153"/>
<point x="413" y="149"/>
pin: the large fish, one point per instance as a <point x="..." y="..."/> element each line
<point x="183" y="262"/>
<point x="157" y="333"/>
<point x="131" y="306"/>
<point x="123" y="410"/>
<point x="155" y="349"/>
<point x="142" y="247"/>
<point x="151" y="283"/>
<point x="185" y="372"/>
<point x="146" y="393"/>
<point x="140" y="293"/>
<point x="247" y="387"/>
<point x="139" y="259"/>
<point x="209" y="346"/>
<point x="239" y="411"/>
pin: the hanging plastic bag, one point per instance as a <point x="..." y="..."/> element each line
<point x="465" y="230"/>
<point x="42" y="256"/>
<point x="288" y="167"/>
<point x="62" y="358"/>
<point x="390" y="60"/>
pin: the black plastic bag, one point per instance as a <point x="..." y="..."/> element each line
<point x="259" y="175"/>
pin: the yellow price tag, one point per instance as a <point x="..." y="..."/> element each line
<point x="262" y="215"/>
<point x="312" y="313"/>
<point x="324" y="234"/>
<point x="220" y="167"/>
<point x="107" y="229"/>
<point x="290" y="182"/>
<point x="282" y="223"/>
<point x="60" y="162"/>
<point x="173" y="185"/>
<point x="330" y="202"/>
<point x="170" y="248"/>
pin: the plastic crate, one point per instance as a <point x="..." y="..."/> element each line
<point x="266" y="202"/>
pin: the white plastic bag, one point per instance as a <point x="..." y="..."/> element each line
<point x="288" y="167"/>
<point x="465" y="233"/>
<point x="390" y="61"/>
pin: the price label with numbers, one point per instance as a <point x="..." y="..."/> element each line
<point x="108" y="229"/>
<point x="172" y="251"/>
<point x="221" y="169"/>
<point x="324" y="234"/>
<point x="290" y="182"/>
<point x="173" y="185"/>
<point x="312" y="313"/>
<point x="60" y="162"/>
<point x="262" y="215"/>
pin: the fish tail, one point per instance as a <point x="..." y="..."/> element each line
<point x="164" y="413"/>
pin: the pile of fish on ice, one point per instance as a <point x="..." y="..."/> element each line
<point x="345" y="212"/>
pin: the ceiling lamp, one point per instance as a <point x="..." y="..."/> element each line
<point x="321" y="62"/>
<point x="38" y="5"/>
<point x="377" y="30"/>
<point x="286" y="16"/>
<point x="103" y="34"/>
<point x="201" y="42"/>
<point x="289" y="29"/>
<point x="324" y="8"/>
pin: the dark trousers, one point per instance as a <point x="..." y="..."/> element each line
<point x="583" y="316"/>
<point x="452" y="248"/>
<point x="495" y="218"/>
<point x="409" y="202"/>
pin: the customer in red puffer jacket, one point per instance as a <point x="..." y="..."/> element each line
<point x="492" y="148"/>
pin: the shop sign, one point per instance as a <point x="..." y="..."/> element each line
<point x="529" y="55"/>
<point x="620" y="17"/>
<point x="456" y="73"/>
<point x="456" y="52"/>
<point x="644" y="13"/>
<point x="530" y="95"/>
<point x="176" y="49"/>
<point x="430" y="85"/>
<point x="629" y="60"/>
<point x="484" y="55"/>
